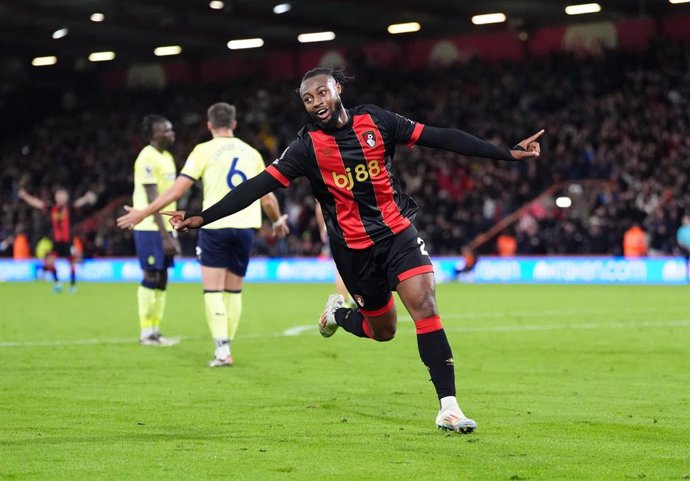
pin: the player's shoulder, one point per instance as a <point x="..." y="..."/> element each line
<point x="243" y="145"/>
<point x="303" y="133"/>
<point x="146" y="151"/>
<point x="202" y="148"/>
<point x="302" y="139"/>
<point x="368" y="109"/>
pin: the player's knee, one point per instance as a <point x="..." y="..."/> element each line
<point x="426" y="305"/>
<point x="384" y="335"/>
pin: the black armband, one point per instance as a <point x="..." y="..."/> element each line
<point x="461" y="142"/>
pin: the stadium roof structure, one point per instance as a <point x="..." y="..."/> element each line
<point x="134" y="28"/>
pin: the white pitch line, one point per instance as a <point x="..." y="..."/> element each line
<point x="570" y="327"/>
<point x="78" y="342"/>
<point x="312" y="328"/>
<point x="551" y="313"/>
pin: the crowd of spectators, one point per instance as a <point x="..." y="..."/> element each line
<point x="622" y="120"/>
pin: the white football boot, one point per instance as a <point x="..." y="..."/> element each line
<point x="327" y="324"/>
<point x="223" y="356"/>
<point x="451" y="418"/>
<point x="225" y="362"/>
<point x="156" y="339"/>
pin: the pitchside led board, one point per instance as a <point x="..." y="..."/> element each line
<point x="489" y="270"/>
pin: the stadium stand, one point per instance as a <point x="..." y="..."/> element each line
<point x="621" y="118"/>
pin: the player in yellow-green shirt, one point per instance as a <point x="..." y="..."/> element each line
<point x="154" y="172"/>
<point x="224" y="246"/>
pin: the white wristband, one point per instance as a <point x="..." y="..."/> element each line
<point x="278" y="222"/>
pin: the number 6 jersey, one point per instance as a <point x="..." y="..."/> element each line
<point x="222" y="164"/>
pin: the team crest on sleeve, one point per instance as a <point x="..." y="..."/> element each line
<point x="369" y="138"/>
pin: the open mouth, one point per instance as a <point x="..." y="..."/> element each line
<point x="323" y="114"/>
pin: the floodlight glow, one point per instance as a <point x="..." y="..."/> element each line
<point x="564" y="202"/>
<point x="282" y="8"/>
<point x="404" y="27"/>
<point x="488" y="18"/>
<point x="245" y="43"/>
<point x="675" y="2"/>
<point x="43" y="61"/>
<point x="60" y="33"/>
<point x="101" y="56"/>
<point x="583" y="8"/>
<point x="168" y="50"/>
<point x="216" y="5"/>
<point x="97" y="17"/>
<point x="315" y="37"/>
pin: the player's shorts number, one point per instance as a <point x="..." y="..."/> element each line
<point x="235" y="171"/>
<point x="422" y="249"/>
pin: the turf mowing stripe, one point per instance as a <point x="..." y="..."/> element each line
<point x="311" y="328"/>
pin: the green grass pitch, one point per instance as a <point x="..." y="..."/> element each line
<point x="566" y="383"/>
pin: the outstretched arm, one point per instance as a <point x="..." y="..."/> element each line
<point x="234" y="201"/>
<point x="463" y="143"/>
<point x="34" y="202"/>
<point x="89" y="198"/>
<point x="133" y="217"/>
<point x="271" y="207"/>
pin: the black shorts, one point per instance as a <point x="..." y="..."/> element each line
<point x="62" y="249"/>
<point x="371" y="274"/>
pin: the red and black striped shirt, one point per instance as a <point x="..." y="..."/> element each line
<point x="350" y="174"/>
<point x="60" y="219"/>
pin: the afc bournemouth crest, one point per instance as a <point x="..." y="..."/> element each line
<point x="359" y="300"/>
<point x="369" y="138"/>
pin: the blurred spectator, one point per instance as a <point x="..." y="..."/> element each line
<point x="621" y="119"/>
<point x="635" y="242"/>
<point x="683" y="236"/>
<point x="21" y="248"/>
<point x="506" y="245"/>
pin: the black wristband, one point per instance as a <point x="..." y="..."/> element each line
<point x="519" y="147"/>
<point x="188" y="214"/>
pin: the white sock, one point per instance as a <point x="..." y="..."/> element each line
<point x="222" y="348"/>
<point x="145" y="332"/>
<point x="450" y="402"/>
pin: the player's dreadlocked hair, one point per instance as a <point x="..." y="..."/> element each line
<point x="337" y="74"/>
<point x="148" y="123"/>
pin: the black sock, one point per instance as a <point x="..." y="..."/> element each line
<point x="351" y="320"/>
<point x="72" y="277"/>
<point x="438" y="358"/>
<point x="53" y="272"/>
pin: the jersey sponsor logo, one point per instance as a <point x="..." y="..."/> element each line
<point x="369" y="138"/>
<point x="361" y="173"/>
